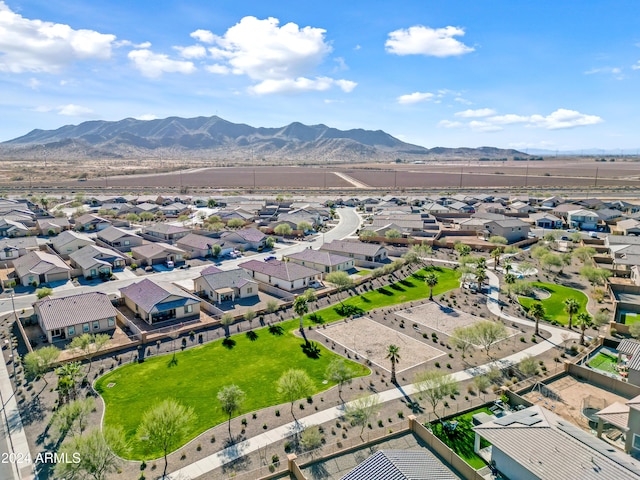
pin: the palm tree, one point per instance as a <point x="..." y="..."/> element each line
<point x="536" y="311"/>
<point x="571" y="306"/>
<point x="584" y="320"/>
<point x="301" y="308"/>
<point x="431" y="279"/>
<point x="495" y="254"/>
<point x="393" y="354"/>
<point x="481" y="276"/>
<point x="507" y="266"/>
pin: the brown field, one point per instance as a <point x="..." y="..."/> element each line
<point x="554" y="174"/>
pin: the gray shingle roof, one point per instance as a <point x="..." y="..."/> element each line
<point x="401" y="465"/>
<point x="38" y="263"/>
<point x="154" y="249"/>
<point x="74" y="309"/>
<point x="147" y="294"/>
<point x="231" y="278"/>
<point x="165" y="228"/>
<point x="359" y="248"/>
<point x="69" y="236"/>
<point x="194" y="240"/>
<point x="320" y="257"/>
<point x="281" y="270"/>
<point x="89" y="255"/>
<point x="111" y="234"/>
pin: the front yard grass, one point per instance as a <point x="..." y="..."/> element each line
<point x="554" y="305"/>
<point x="199" y="373"/>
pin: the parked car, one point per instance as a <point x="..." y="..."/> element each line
<point x="170" y="264"/>
<point x="593" y="235"/>
<point x="270" y="257"/>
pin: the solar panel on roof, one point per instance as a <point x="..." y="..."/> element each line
<point x="524" y="417"/>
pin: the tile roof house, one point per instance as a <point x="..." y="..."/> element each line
<point x="583" y="219"/>
<point x="12" y="248"/>
<point x="535" y="443"/>
<point x="401" y="465"/>
<point x="38" y="267"/>
<point x="545" y="220"/>
<point x="251" y="237"/>
<point x="322" y="261"/>
<point x="165" y="232"/>
<point x="513" y="229"/>
<point x="96" y="261"/>
<point x="11" y="228"/>
<point x="119" y="239"/>
<point x="69" y="241"/>
<point x="157" y="302"/>
<point x="67" y="317"/>
<point x="285" y="275"/>
<point x="360" y="251"/>
<point x="625" y="417"/>
<point x="223" y="286"/>
<point x="52" y="225"/>
<point x="157" y="253"/>
<point x="197" y="245"/>
<point x="90" y="222"/>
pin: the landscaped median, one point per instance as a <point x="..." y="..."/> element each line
<point x="195" y="376"/>
<point x="554" y="306"/>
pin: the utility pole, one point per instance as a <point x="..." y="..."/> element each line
<point x="461" y="170"/>
<point x="595" y="183"/>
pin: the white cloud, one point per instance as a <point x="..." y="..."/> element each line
<point x="301" y="84"/>
<point x="636" y="66"/>
<point x="480" y="112"/>
<point x="205" y="36"/>
<point x="193" y="51"/>
<point x="39" y="46"/>
<point x="563" y="118"/>
<point x="415" y="97"/>
<point x="278" y="58"/>
<point x="33" y="83"/>
<point x="72" y="110"/>
<point x="450" y="124"/>
<point x="510" y="118"/>
<point x="146" y="116"/>
<point x="613" y="70"/>
<point x="217" y="68"/>
<point x="153" y="65"/>
<point x="421" y="40"/>
<point x="481" y="126"/>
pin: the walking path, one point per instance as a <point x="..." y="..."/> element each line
<point x="351" y="180"/>
<point x="230" y="454"/>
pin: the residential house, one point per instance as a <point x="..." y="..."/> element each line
<point x="12" y="248"/>
<point x="251" y="238"/>
<point x="121" y="240"/>
<point x="157" y="253"/>
<point x="198" y="245"/>
<point x="52" y="225"/>
<point x="629" y="226"/>
<point x="164" y="232"/>
<point x="11" y="229"/>
<point x="363" y="253"/>
<point x="322" y="261"/>
<point x="521" y="207"/>
<point x="95" y="261"/>
<point x="284" y="275"/>
<point x="175" y="209"/>
<point x="625" y="417"/>
<point x="38" y="267"/>
<point x="551" y="202"/>
<point x="562" y="450"/>
<point x="69" y="241"/>
<point x="73" y="315"/>
<point x="492" y="207"/>
<point x="225" y="286"/>
<point x="402" y="465"/>
<point x="513" y="229"/>
<point x="545" y="220"/>
<point x="582" y="219"/>
<point x="141" y="208"/>
<point x="156" y="302"/>
<point x="90" y="223"/>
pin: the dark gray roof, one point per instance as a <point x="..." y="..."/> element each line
<point x="359" y="248"/>
<point x="194" y="240"/>
<point x="19" y="242"/>
<point x="166" y="228"/>
<point x="154" y="249"/>
<point x="281" y="270"/>
<point x="231" y="278"/>
<point x="69" y="236"/>
<point x="111" y="234"/>
<point x="320" y="257"/>
<point x="401" y="465"/>
<point x="74" y="309"/>
<point x="38" y="262"/>
<point x="89" y="255"/>
<point x="147" y="294"/>
<point x="628" y="346"/>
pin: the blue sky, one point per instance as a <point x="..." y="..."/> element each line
<point x="559" y="75"/>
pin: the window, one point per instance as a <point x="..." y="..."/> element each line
<point x="250" y="290"/>
<point x="71" y="331"/>
<point x="127" y="242"/>
<point x="636" y="441"/>
<point x="9" y="253"/>
<point x="85" y="327"/>
<point x="96" y="325"/>
<point x="111" y="321"/>
<point x="188" y="308"/>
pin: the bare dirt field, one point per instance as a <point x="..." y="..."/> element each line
<point x="442" y="318"/>
<point x="374" y="344"/>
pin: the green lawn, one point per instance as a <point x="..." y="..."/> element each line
<point x="411" y="288"/>
<point x="199" y="374"/>
<point x="630" y="318"/>
<point x="605" y="361"/>
<point x="554" y="305"/>
<point x="462" y="439"/>
<point x="364" y="272"/>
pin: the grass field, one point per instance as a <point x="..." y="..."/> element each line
<point x="411" y="288"/>
<point x="604" y="361"/>
<point x="461" y="440"/>
<point x="198" y="375"/>
<point x="554" y="305"/>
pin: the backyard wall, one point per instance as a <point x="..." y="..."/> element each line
<point x="603" y="381"/>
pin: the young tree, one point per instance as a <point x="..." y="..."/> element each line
<point x="462" y="249"/>
<point x="98" y="454"/>
<point x="595" y="276"/>
<point x="304" y="227"/>
<point x="226" y="320"/>
<point x="216" y="250"/>
<point x="338" y="372"/>
<point x="498" y="240"/>
<point x="584" y="253"/>
<point x="550" y="260"/>
<point x="90" y="344"/>
<point x="72" y="417"/>
<point x="359" y="411"/>
<point x="462" y="338"/>
<point x="422" y="250"/>
<point x="526" y="268"/>
<point x="293" y="385"/>
<point x="311" y="438"/>
<point x="164" y="426"/>
<point x="341" y="280"/>
<point x="43" y="292"/>
<point x="310" y="295"/>
<point x="393" y="354"/>
<point x="235" y="223"/>
<point x="231" y="398"/>
<point x="584" y="320"/>
<point x="365" y="235"/>
<point x="528" y="366"/>
<point x="487" y="334"/>
<point x="571" y="307"/>
<point x="272" y="306"/>
<point x="249" y="315"/>
<point x="283" y="229"/>
<point x="301" y="308"/>
<point x="270" y="242"/>
<point x="435" y="385"/>
<point x="68" y="375"/>
<point x="634" y="330"/>
<point x="392" y="234"/>
<point x="431" y="279"/>
<point x="38" y="362"/>
<point x="536" y="311"/>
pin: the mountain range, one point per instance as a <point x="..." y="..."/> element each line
<point x="216" y="138"/>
